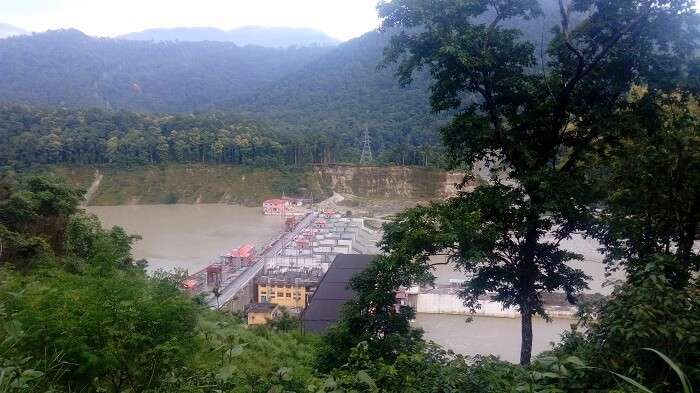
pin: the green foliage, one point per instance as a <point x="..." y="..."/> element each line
<point x="372" y="319"/>
<point x="333" y="100"/>
<point x="286" y="322"/>
<point x="323" y="97"/>
<point x="35" y="136"/>
<point x="34" y="212"/>
<point x="116" y="331"/>
<point x="649" y="311"/>
<point x="91" y="248"/>
<point x="651" y="180"/>
<point x="68" y="68"/>
<point x="431" y="369"/>
<point x="233" y="358"/>
<point x="18" y="372"/>
<point x="535" y="129"/>
<point x="88" y="318"/>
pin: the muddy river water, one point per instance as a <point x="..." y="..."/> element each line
<point x="190" y="236"/>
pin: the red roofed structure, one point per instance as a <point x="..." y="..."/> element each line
<point x="241" y="256"/>
<point x="275" y="207"/>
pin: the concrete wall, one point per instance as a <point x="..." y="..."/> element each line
<point x="244" y="297"/>
<point x="443" y="303"/>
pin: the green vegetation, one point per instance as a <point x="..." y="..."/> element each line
<point x="320" y="98"/>
<point x="69" y="68"/>
<point x="542" y="131"/>
<point x="80" y="314"/>
<point x="598" y="134"/>
<point x="33" y="136"/>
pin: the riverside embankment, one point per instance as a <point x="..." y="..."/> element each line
<point x="249" y="186"/>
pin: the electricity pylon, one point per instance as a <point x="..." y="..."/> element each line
<point x="366" y="156"/>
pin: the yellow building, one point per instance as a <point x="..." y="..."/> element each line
<point x="288" y="295"/>
<point x="261" y="313"/>
<point x="291" y="289"/>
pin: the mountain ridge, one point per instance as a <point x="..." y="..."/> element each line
<point x="274" y="37"/>
<point x="8" y="30"/>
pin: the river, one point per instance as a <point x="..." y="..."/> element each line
<point x="190" y="236"/>
<point x="488" y="335"/>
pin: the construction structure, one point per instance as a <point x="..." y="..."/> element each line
<point x="275" y="207"/>
<point x="366" y="156"/>
<point x="333" y="291"/>
<point x="285" y="206"/>
<point x="289" y="266"/>
<point x="262" y="313"/>
<point x="288" y="287"/>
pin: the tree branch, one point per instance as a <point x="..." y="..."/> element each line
<point x="564" y="11"/>
<point x="581" y="72"/>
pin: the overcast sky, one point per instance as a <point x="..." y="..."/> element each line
<point x="341" y="19"/>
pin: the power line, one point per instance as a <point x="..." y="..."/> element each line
<point x="366" y="156"/>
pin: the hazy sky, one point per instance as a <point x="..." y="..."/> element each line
<point x="341" y="19"/>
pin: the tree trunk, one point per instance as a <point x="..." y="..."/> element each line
<point x="527" y="276"/>
<point x="688" y="231"/>
<point x="526" y="335"/>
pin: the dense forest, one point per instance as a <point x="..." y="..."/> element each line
<point x="91" y="136"/>
<point x="325" y="94"/>
<point x="69" y="68"/>
<point x="320" y="99"/>
<point x="343" y="92"/>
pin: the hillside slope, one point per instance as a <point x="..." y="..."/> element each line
<point x="329" y="94"/>
<point x="342" y="93"/>
<point x="250" y="186"/>
<point x="69" y="68"/>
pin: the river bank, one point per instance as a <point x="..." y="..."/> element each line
<point x="368" y="188"/>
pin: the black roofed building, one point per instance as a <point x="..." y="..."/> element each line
<point x="332" y="292"/>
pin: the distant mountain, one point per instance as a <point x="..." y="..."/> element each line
<point x="69" y="68"/>
<point x="328" y="93"/>
<point x="274" y="37"/>
<point x="9" y="31"/>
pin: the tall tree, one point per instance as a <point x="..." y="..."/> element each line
<point x="653" y="184"/>
<point x="534" y="119"/>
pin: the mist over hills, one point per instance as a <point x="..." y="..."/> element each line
<point x="7" y="30"/>
<point x="274" y="37"/>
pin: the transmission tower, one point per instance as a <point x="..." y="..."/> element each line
<point x="366" y="156"/>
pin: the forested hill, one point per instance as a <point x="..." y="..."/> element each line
<point x="343" y="92"/>
<point x="32" y="135"/>
<point x="69" y="68"/>
<point x="332" y="94"/>
<point x="329" y="94"/>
